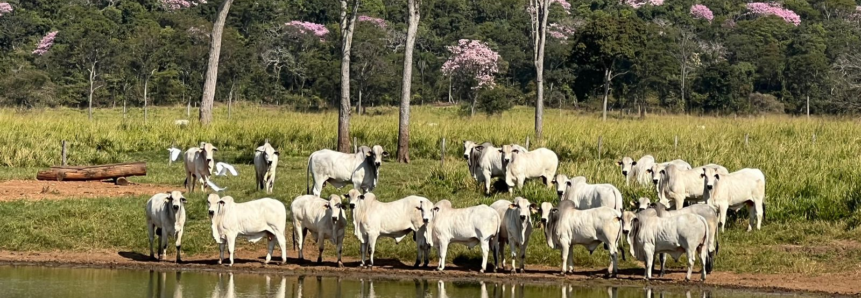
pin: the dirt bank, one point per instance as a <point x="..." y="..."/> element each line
<point x="841" y="283"/>
<point x="56" y="190"/>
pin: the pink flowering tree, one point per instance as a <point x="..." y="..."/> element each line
<point x="308" y="28"/>
<point x="5" y="8"/>
<point x="180" y="4"/>
<point x="474" y="60"/>
<point x="538" y="11"/>
<point x="699" y="11"/>
<point x="773" y="9"/>
<point x="640" y="3"/>
<point x="560" y="31"/>
<point x="374" y="21"/>
<point x="45" y="44"/>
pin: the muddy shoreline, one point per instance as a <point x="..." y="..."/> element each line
<point x="844" y="284"/>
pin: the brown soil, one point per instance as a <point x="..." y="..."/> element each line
<point x="55" y="190"/>
<point x="839" y="283"/>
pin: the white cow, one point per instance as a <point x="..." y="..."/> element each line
<point x="636" y="170"/>
<point x="742" y="187"/>
<point x="324" y="219"/>
<point x="265" y="164"/>
<point x="587" y="196"/>
<point x="165" y="216"/>
<point x="199" y="165"/>
<point x="561" y="182"/>
<point x="565" y="227"/>
<point x="709" y="213"/>
<point x="478" y="225"/>
<point x="515" y="230"/>
<point x="254" y="220"/>
<point x="484" y="161"/>
<point x="520" y="165"/>
<point x="661" y="180"/>
<point x="361" y="168"/>
<point x="374" y="219"/>
<point x="684" y="184"/>
<point x="675" y="235"/>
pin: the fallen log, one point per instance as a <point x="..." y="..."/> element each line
<point x="100" y="172"/>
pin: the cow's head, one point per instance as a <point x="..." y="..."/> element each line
<point x="334" y="208"/>
<point x="561" y="182"/>
<point x="270" y="155"/>
<point x="642" y="203"/>
<point x="710" y="176"/>
<point x="176" y="200"/>
<point x="467" y="148"/>
<point x="376" y="154"/>
<point x="353" y="197"/>
<point x="626" y="163"/>
<point x="425" y="208"/>
<point x="213" y="202"/>
<point x="574" y="181"/>
<point x="628" y="218"/>
<point x="507" y="154"/>
<point x="545" y="209"/>
<point x="208" y="152"/>
<point x="655" y="171"/>
<point x="524" y="209"/>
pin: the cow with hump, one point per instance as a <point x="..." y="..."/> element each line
<point x="478" y="225"/>
<point x="325" y="219"/>
<point x="565" y="226"/>
<point x="165" y="216"/>
<point x="362" y="169"/>
<point x="254" y="220"/>
<point x="373" y="219"/>
<point x="199" y="164"/>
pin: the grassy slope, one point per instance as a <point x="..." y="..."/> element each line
<point x="810" y="190"/>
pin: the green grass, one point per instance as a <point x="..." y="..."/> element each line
<point x="813" y="198"/>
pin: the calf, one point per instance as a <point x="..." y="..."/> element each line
<point x="675" y="235"/>
<point x="566" y="226"/>
<point x="324" y="219"/>
<point x="254" y="220"/>
<point x="740" y="188"/>
<point x="361" y="168"/>
<point x="682" y="184"/>
<point x="516" y="228"/>
<point x="520" y="165"/>
<point x="199" y="164"/>
<point x="265" y="164"/>
<point x="374" y="219"/>
<point x="471" y="226"/>
<point x="587" y="196"/>
<point x="165" y="216"/>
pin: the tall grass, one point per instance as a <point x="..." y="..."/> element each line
<point x="806" y="179"/>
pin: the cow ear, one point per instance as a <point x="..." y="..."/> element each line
<point x="702" y="175"/>
<point x="568" y="183"/>
<point x="361" y="197"/>
<point x="169" y="196"/>
<point x="634" y="163"/>
<point x="386" y="153"/>
<point x="533" y="208"/>
<point x="516" y="151"/>
<point x="717" y="177"/>
<point x="346" y="195"/>
<point x="214" y="149"/>
<point x="554" y="210"/>
<point x="663" y="171"/>
<point x="419" y="208"/>
<point x="500" y="151"/>
<point x="368" y="153"/>
<point x="632" y="204"/>
<point x="277" y="153"/>
<point x="435" y="208"/>
<point x="183" y="200"/>
<point x="512" y="206"/>
<point x="326" y="206"/>
<point x="619" y="162"/>
<point x="649" y="171"/>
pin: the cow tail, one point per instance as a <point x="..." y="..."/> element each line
<point x="307" y="174"/>
<point x="294" y="239"/>
<point x="620" y="243"/>
<point x="709" y="263"/>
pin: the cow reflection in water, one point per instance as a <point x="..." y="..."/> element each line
<point x="650" y="294"/>
<point x="157" y="285"/>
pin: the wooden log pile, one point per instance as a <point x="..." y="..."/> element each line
<point x="99" y="172"/>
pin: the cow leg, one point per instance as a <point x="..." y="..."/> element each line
<point x="221" y="252"/>
<point x="565" y="249"/>
<point x="520" y="181"/>
<point x="650" y="262"/>
<point x="318" y="185"/>
<point x="500" y="254"/>
<point x="692" y="259"/>
<point x="704" y="258"/>
<point x="680" y="202"/>
<point x="372" y="244"/>
<point x="722" y="209"/>
<point x="614" y="260"/>
<point x="340" y="247"/>
<point x="486" y="176"/>
<point x="231" y="247"/>
<point x="270" y="247"/>
<point x="300" y="239"/>
<point x="443" y="249"/>
<point x="282" y="244"/>
<point x="523" y="247"/>
<point x="663" y="262"/>
<point x="178" y="246"/>
<point x="364" y="248"/>
<point x="513" y="248"/>
<point x="150" y="230"/>
<point x="321" y="243"/>
<point x="760" y="211"/>
<point x="162" y="244"/>
<point x="485" y="249"/>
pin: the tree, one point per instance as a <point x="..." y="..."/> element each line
<point x="348" y="23"/>
<point x="404" y="113"/>
<point x="604" y="44"/>
<point x="212" y="67"/>
<point x="538" y="11"/>
<point x="474" y="61"/>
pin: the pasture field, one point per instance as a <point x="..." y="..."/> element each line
<point x="813" y="193"/>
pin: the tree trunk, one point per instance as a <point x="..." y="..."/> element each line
<point x="359" y="102"/>
<point x="474" y="102"/>
<point x="90" y="96"/>
<point x="449" y="90"/>
<point x="684" y="77"/>
<point x="347" y="25"/>
<point x="93" y="172"/>
<point x="543" y="10"/>
<point x="406" y="83"/>
<point x="230" y="99"/>
<point x="607" y="73"/>
<point x="212" y="68"/>
<point x="124" y="108"/>
<point x="188" y="109"/>
<point x="808" y="107"/>
<point x="146" y="85"/>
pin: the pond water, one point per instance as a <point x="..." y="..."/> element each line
<point x="26" y="281"/>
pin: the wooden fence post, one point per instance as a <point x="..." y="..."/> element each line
<point x="745" y="139"/>
<point x="355" y="145"/>
<point x="64" y="152"/>
<point x="814" y="138"/>
<point x="676" y="143"/>
<point x="442" y="153"/>
<point x="527" y="142"/>
<point x="600" y="143"/>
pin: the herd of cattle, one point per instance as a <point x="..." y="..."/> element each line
<point x="590" y="215"/>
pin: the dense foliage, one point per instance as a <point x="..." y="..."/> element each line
<point x="680" y="56"/>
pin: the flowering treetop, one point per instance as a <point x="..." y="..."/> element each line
<point x="775" y="9"/>
<point x="376" y="21"/>
<point x="640" y="3"/>
<point x="5" y="8"/>
<point x="46" y="44"/>
<point x="475" y="58"/>
<point x="565" y="5"/>
<point x="180" y="4"/>
<point x="699" y="11"/>
<point x="559" y="31"/>
<point x="308" y="27"/>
